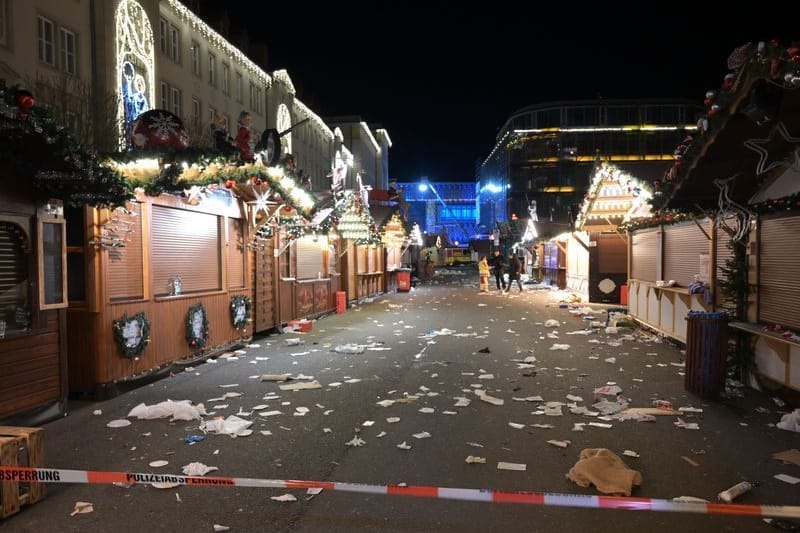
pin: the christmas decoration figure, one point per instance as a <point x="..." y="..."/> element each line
<point x="221" y="139"/>
<point x="245" y="139"/>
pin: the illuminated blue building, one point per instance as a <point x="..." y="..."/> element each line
<point x="445" y="208"/>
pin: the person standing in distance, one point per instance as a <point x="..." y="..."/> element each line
<point x="498" y="266"/>
<point x="483" y="272"/>
<point x="514" y="269"/>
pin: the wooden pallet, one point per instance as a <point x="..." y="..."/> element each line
<point x="20" y="446"/>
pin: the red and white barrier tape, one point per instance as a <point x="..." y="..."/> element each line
<point x="20" y="474"/>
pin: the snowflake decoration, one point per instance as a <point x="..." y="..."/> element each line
<point x="164" y="124"/>
<point x="761" y="146"/>
<point x="261" y="202"/>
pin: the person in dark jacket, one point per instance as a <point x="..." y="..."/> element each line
<point x="498" y="266"/>
<point x="514" y="271"/>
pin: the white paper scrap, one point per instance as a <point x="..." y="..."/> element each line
<point x="97" y="412"/>
<point x="559" y="443"/>
<point x="516" y="425"/>
<point x="158" y="464"/>
<point x="218" y="527"/>
<point x="573" y="398"/>
<point x="385" y="403"/>
<point x="601" y="425"/>
<point x="489" y="399"/>
<point x="519" y="467"/>
<point x="271" y="413"/>
<point x="427" y="410"/>
<point x="284" y="498"/>
<point x="787" y="479"/>
<point x="422" y="435"/>
<point x="119" y="423"/>
<point x="197" y="469"/>
<point x="630" y="453"/>
<point x="301" y="386"/>
<point x="393" y="419"/>
<point x="474" y="459"/>
<point x="461" y="401"/>
<point x="562" y="347"/>
<point x="404" y="446"/>
<point x="356" y="441"/>
<point x="381" y="435"/>
<point x="82" y="508"/>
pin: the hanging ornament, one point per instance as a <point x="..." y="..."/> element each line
<point x="230" y="184"/>
<point x="702" y="125"/>
<point x="25" y="99"/>
<point x="157" y="130"/>
<point x="713" y="111"/>
<point x="727" y="82"/>
<point x="739" y="56"/>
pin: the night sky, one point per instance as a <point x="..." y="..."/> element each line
<point x="443" y="79"/>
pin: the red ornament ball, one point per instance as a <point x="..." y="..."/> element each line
<point x="230" y="183"/>
<point x="25" y="99"/>
<point x="157" y="130"/>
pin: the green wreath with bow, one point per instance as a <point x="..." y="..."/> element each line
<point x="197" y="326"/>
<point x="132" y="334"/>
<point x="241" y="307"/>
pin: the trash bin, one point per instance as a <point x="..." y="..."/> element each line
<point x="341" y="302"/>
<point x="403" y="280"/>
<point x="706" y="352"/>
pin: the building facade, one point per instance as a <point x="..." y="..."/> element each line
<point x="445" y="208"/>
<point x="544" y="153"/>
<point x="369" y="152"/>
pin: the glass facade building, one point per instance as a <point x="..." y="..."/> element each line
<point x="544" y="153"/>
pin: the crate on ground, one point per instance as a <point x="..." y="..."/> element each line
<point x="20" y="446"/>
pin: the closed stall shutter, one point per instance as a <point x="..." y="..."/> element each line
<point x="392" y="258"/>
<point x="371" y="252"/>
<point x="779" y="257"/>
<point x="724" y="253"/>
<point x="683" y="245"/>
<point x="235" y="254"/>
<point x="361" y="254"/>
<point x="13" y="278"/>
<point x="612" y="254"/>
<point x="125" y="264"/>
<point x="185" y="244"/>
<point x="309" y="259"/>
<point x="644" y="255"/>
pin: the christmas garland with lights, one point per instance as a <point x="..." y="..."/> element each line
<point x="239" y="318"/>
<point x="119" y="326"/>
<point x="61" y="167"/>
<point x="768" y="61"/>
<point x="664" y="218"/>
<point x="779" y="205"/>
<point x="197" y="339"/>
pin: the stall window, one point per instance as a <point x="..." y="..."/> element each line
<point x="235" y="254"/>
<point x="185" y="251"/>
<point x="15" y="308"/>
<point x="310" y="255"/>
<point x="286" y="266"/>
<point x="52" y="239"/>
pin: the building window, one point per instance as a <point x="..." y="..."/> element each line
<point x="194" y="52"/>
<point x="68" y="52"/>
<point x="176" y="101"/>
<point x="239" y="83"/>
<point x="255" y="99"/>
<point x="212" y="69"/>
<point x="52" y="263"/>
<point x="3" y="21"/>
<point x="162" y="35"/>
<point x="46" y="43"/>
<point x="164" y="95"/>
<point x="174" y="44"/>
<point x="195" y="112"/>
<point x="226" y="79"/>
<point x="212" y="115"/>
<point x="226" y="122"/>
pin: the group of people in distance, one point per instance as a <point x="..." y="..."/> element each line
<point x="498" y="266"/>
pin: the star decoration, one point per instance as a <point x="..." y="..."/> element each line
<point x="765" y="162"/>
<point x="261" y="202"/>
<point x="194" y="195"/>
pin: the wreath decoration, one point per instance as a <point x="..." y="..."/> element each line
<point x="241" y="307"/>
<point x="197" y="326"/>
<point x="132" y="334"/>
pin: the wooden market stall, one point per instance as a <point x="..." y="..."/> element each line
<point x="740" y="171"/>
<point x="43" y="171"/>
<point x="394" y="238"/>
<point x="597" y="252"/>
<point x="362" y="251"/>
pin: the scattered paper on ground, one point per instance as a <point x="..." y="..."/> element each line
<point x="519" y="467"/>
<point x="563" y="347"/>
<point x="197" y="469"/>
<point x="559" y="443"/>
<point x="474" y="459"/>
<point x="605" y="470"/>
<point x="788" y="456"/>
<point x="275" y="377"/>
<point x="81" y="508"/>
<point x="232" y="426"/>
<point x="158" y="464"/>
<point x="787" y="479"/>
<point x="118" y="423"/>
<point x="180" y="410"/>
<point x="489" y="399"/>
<point x="284" y="498"/>
<point x="404" y="446"/>
<point x="356" y="441"/>
<point x="302" y="385"/>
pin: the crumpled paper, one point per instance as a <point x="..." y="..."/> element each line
<point x="233" y="426"/>
<point x="181" y="410"/>
<point x="197" y="469"/>
<point x="791" y="421"/>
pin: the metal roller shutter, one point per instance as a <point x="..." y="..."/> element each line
<point x="125" y="267"/>
<point x="645" y="255"/>
<point x="235" y="254"/>
<point x="612" y="254"/>
<point x="724" y="253"/>
<point x="13" y="276"/>
<point x="779" y="257"/>
<point x="184" y="244"/>
<point x="309" y="259"/>
<point x="683" y="244"/>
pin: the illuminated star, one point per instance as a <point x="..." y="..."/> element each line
<point x="261" y="202"/>
<point x="194" y="195"/>
<point x="760" y="145"/>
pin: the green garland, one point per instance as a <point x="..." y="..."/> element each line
<point x="194" y="340"/>
<point x="119" y="334"/>
<point x="665" y="218"/>
<point x="236" y="303"/>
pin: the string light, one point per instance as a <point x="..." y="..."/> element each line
<point x="304" y="110"/>
<point x="371" y="137"/>
<point x="282" y="76"/>
<point x="385" y="134"/>
<point x="284" y="123"/>
<point x="212" y="37"/>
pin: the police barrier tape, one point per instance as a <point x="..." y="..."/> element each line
<point x="51" y="475"/>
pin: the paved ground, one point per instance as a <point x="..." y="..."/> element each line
<point x="735" y="440"/>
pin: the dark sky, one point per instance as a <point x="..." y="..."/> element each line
<point x="442" y="79"/>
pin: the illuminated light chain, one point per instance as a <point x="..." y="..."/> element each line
<point x="219" y="41"/>
<point x="607" y="177"/>
<point x="385" y="135"/>
<point x="282" y="77"/>
<point x="284" y="122"/>
<point x="375" y="144"/>
<point x="304" y="110"/>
